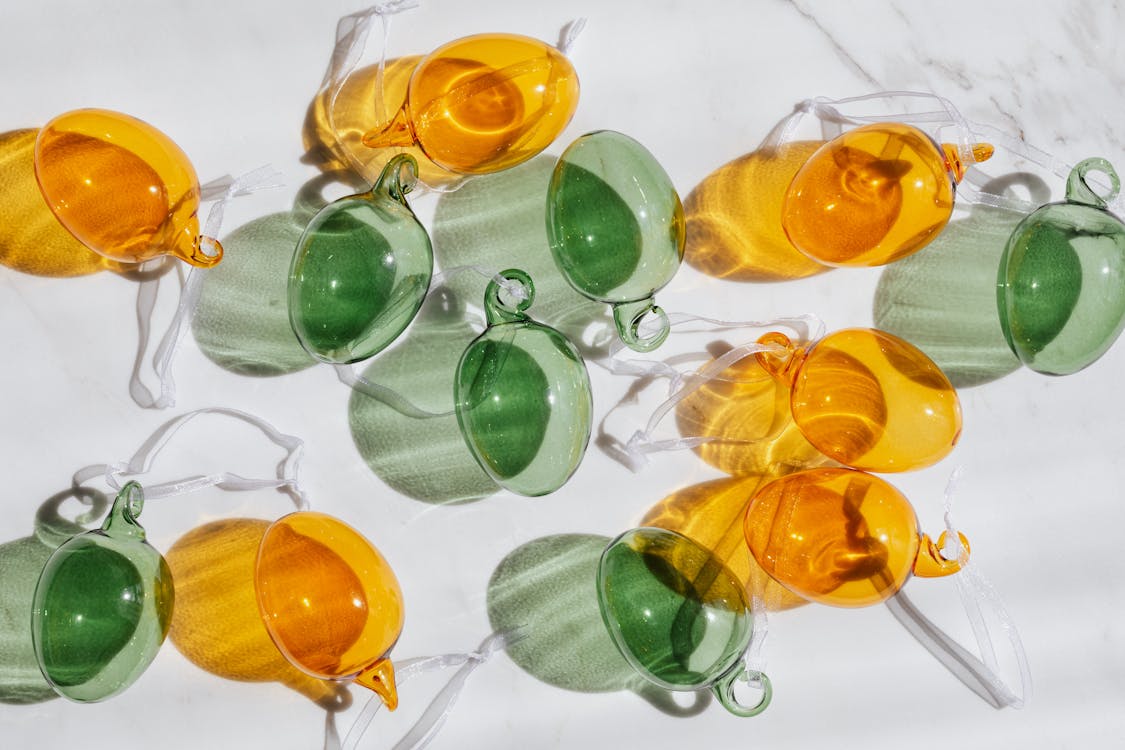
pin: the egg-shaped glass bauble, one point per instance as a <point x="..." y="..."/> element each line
<point x="522" y="396"/>
<point x="1060" y="288"/>
<point x="103" y="606"/>
<point x="360" y="271"/>
<point x="484" y="103"/>
<point x="616" y="227"/>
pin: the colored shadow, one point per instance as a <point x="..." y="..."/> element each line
<point x="422" y="458"/>
<point x="21" y="562"/>
<point x="499" y="221"/>
<point x="944" y="300"/>
<point x="734" y="218"/>
<point x="711" y="514"/>
<point x="31" y="239"/>
<point x="750" y="414"/>
<point x="548" y="590"/>
<point x="242" y="322"/>
<point x="336" y="121"/>
<point x="216" y="623"/>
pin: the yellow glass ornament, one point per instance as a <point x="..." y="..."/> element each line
<point x="873" y="195"/>
<point x="484" y="103"/>
<point x="867" y="399"/>
<point x="841" y="537"/>
<point x="329" y="600"/>
<point x="122" y="188"/>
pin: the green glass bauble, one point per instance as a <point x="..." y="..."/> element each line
<point x="678" y="614"/>
<point x="522" y="397"/>
<point x="1061" y="284"/>
<point x="102" y="606"/>
<point x="616" y="228"/>
<point x="361" y="271"/>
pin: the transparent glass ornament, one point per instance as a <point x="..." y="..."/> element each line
<point x="867" y="399"/>
<point x="360" y="271"/>
<point x="616" y="227"/>
<point x="330" y="601"/>
<point x="102" y="606"/>
<point x="1060" y="288"/>
<point x="522" y="396"/>
<point x="678" y="615"/>
<point x="484" y="103"/>
<point x="841" y="537"/>
<point x="873" y="195"/>
<point x="122" y="188"/>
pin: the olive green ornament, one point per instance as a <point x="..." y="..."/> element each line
<point x="522" y="395"/>
<point x="616" y="227"/>
<point x="678" y="615"/>
<point x="361" y="270"/>
<point x="102" y="606"/>
<point x="1061" y="284"/>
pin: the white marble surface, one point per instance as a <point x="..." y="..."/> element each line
<point x="700" y="84"/>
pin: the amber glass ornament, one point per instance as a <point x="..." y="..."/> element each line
<point x="329" y="600"/>
<point x="122" y="188"/>
<point x="873" y="195"/>
<point x="841" y="537"/>
<point x="484" y="103"/>
<point x="867" y="399"/>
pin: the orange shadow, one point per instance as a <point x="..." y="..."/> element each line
<point x="216" y="623"/>
<point x="734" y="218"/>
<point x="334" y="128"/>
<point x="31" y="239"/>
<point x="749" y="412"/>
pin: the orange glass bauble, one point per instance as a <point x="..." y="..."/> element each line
<point x="867" y="399"/>
<point x="840" y="537"/>
<point x="873" y="195"/>
<point x="122" y="188"/>
<point x="484" y="103"/>
<point x="329" y="600"/>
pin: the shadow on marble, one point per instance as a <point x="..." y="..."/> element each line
<point x="21" y="562"/>
<point x="423" y="458"/>
<point x="734" y="217"/>
<point x="31" y="239"/>
<point x="711" y="514"/>
<point x="748" y="414"/>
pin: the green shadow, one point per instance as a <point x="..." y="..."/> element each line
<point x="500" y="221"/>
<point x="21" y="562"/>
<point x="423" y="458"/>
<point x="943" y="299"/>
<point x="547" y="590"/>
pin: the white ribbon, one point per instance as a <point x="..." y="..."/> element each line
<point x="285" y="480"/>
<point x="979" y="674"/>
<point x="227" y="189"/>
